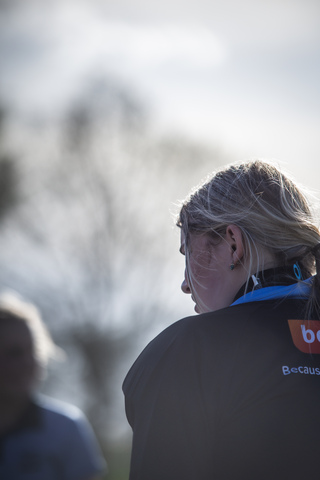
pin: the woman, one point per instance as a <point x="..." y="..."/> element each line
<point x="234" y="393"/>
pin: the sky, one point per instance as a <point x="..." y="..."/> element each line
<point x="243" y="76"/>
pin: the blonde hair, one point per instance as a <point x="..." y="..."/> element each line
<point x="14" y="309"/>
<point x="272" y="213"/>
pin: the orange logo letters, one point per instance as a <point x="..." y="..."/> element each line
<point x="306" y="335"/>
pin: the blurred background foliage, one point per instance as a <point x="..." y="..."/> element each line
<point x="87" y="210"/>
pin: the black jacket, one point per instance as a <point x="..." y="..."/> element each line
<point x="228" y="395"/>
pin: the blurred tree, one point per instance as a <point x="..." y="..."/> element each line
<point x="90" y="243"/>
<point x="8" y="176"/>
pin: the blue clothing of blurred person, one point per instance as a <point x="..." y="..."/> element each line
<point x="40" y="438"/>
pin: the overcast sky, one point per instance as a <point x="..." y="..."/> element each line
<point x="243" y="75"/>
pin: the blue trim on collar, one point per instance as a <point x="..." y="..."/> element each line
<point x="297" y="290"/>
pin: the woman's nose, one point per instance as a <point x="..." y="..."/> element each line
<point x="185" y="287"/>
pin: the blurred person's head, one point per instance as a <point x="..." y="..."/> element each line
<point x="25" y="347"/>
<point x="244" y="219"/>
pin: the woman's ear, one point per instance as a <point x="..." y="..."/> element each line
<point x="235" y="239"/>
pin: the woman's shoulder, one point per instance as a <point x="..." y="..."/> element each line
<point x="206" y="335"/>
<point x="186" y="338"/>
<point x="189" y="329"/>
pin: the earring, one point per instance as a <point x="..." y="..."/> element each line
<point x="233" y="265"/>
